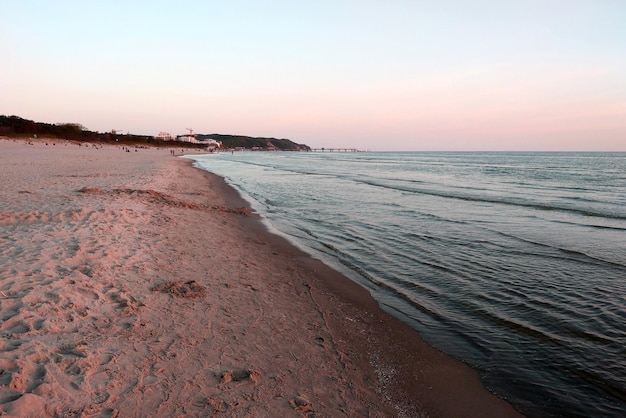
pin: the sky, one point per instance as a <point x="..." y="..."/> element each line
<point x="466" y="75"/>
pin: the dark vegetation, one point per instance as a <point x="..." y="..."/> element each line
<point x="248" y="142"/>
<point x="16" y="127"/>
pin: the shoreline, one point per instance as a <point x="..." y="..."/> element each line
<point x="142" y="286"/>
<point x="443" y="386"/>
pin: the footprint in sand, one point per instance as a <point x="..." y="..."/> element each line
<point x="38" y="378"/>
<point x="301" y="404"/>
<point x="9" y="311"/>
<point x="7" y="368"/>
<point x="100" y="397"/>
<point x="239" y="376"/>
<point x="20" y="376"/>
<point x="103" y="359"/>
<point x="15" y="326"/>
<point x="38" y="324"/>
<point x="89" y="294"/>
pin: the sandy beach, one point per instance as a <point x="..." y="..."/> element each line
<point x="132" y="285"/>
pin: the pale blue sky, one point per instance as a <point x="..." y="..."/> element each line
<point x="401" y="75"/>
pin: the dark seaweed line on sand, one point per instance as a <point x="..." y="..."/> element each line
<point x="152" y="196"/>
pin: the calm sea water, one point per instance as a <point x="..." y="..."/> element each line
<point x="512" y="262"/>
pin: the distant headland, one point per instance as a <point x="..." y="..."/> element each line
<point x="17" y="127"/>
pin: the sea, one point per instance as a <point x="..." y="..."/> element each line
<point x="514" y="263"/>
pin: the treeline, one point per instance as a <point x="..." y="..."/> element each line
<point x="16" y="127"/>
<point x="248" y="142"/>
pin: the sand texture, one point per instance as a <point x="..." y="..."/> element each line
<point x="134" y="285"/>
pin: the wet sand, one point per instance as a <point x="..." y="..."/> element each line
<point x="132" y="284"/>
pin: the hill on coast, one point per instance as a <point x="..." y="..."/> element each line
<point x="248" y="142"/>
<point x="17" y="127"/>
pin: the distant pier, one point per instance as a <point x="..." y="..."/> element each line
<point x="335" y="150"/>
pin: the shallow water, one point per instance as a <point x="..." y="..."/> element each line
<point x="512" y="262"/>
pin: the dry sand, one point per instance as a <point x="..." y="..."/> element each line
<point x="134" y="285"/>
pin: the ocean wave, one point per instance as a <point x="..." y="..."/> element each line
<point x="500" y="200"/>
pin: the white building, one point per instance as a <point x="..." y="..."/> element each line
<point x="188" y="138"/>
<point x="165" y="136"/>
<point x="212" y="144"/>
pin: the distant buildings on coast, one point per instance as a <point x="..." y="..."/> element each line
<point x="17" y="127"/>
<point x="190" y="138"/>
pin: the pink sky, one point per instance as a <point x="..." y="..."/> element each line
<point x="407" y="75"/>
